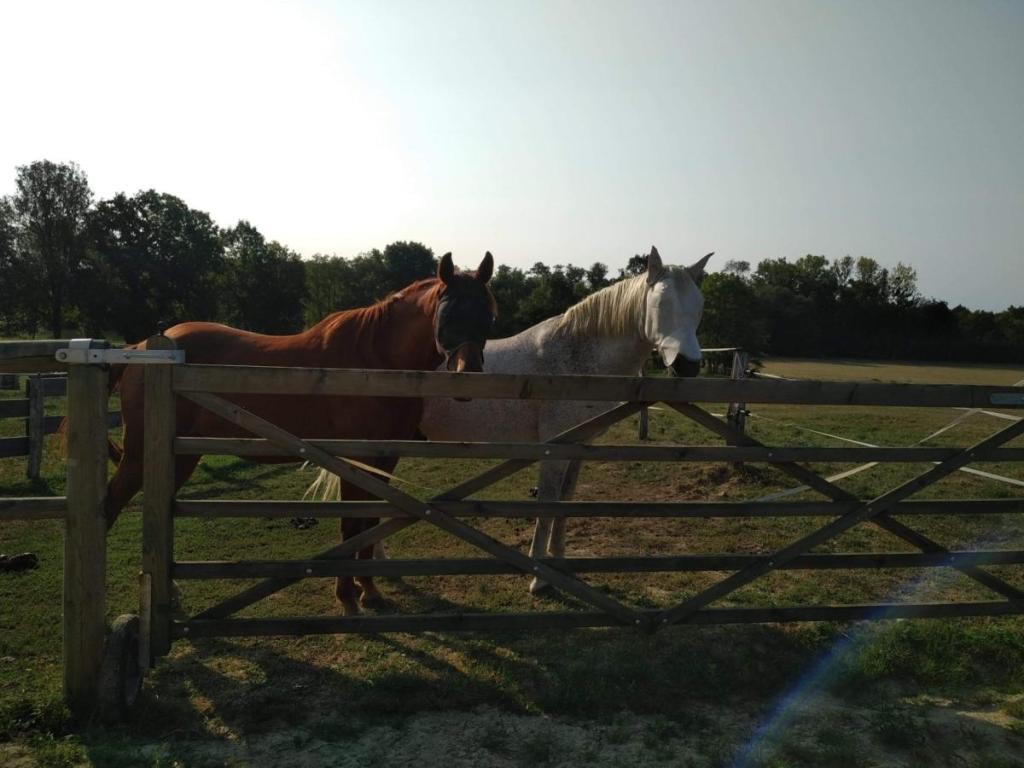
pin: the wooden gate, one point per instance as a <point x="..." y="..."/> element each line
<point x="450" y="510"/>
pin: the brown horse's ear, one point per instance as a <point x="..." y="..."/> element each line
<point x="446" y="269"/>
<point x="486" y="268"/>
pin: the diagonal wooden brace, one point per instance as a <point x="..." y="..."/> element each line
<point x="413" y="506"/>
<point x="884" y="520"/>
<point x="582" y="431"/>
<point x="268" y="587"/>
<point x="864" y="512"/>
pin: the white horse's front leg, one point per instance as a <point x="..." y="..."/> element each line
<point x="556" y="545"/>
<point x="566" y="490"/>
<point x="549" y="488"/>
<point x="541" y="534"/>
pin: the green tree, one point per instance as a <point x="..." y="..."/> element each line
<point x="741" y="268"/>
<point x="793" y="326"/>
<point x="597" y="277"/>
<point x="842" y="269"/>
<point x="19" y="284"/>
<point x="732" y="314"/>
<point x="552" y="292"/>
<point x="1011" y="323"/>
<point x="577" y="280"/>
<point x="405" y="262"/>
<point x="151" y="258"/>
<point x="511" y="288"/>
<point x="329" y="287"/>
<point x="903" y="286"/>
<point x="266" y="282"/>
<point x="50" y="205"/>
<point x="636" y="265"/>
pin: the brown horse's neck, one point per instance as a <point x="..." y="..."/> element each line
<point x="396" y="332"/>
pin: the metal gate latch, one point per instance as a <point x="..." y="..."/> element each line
<point x="81" y="351"/>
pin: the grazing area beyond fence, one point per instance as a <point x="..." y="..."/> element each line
<point x="647" y="698"/>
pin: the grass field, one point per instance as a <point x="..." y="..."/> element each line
<point x="891" y="693"/>
<point x="886" y="371"/>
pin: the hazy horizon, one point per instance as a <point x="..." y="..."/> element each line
<point x="559" y="132"/>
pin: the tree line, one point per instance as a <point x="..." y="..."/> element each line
<point x="846" y="307"/>
<point x="118" y="267"/>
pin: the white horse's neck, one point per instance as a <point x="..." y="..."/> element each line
<point x="613" y="312"/>
<point x="604" y="333"/>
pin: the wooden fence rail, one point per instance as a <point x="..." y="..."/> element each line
<point x="529" y="510"/>
<point x="307" y="381"/>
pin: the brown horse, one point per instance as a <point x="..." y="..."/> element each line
<point x="425" y="323"/>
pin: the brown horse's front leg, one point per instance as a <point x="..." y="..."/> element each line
<point x="126" y="482"/>
<point x="345" y="586"/>
<point x="371" y="596"/>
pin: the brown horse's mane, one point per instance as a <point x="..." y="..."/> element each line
<point x="374" y="313"/>
<point x="436" y="284"/>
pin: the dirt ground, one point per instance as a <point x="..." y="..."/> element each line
<point x="818" y="730"/>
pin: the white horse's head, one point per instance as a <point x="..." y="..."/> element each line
<point x="673" y="312"/>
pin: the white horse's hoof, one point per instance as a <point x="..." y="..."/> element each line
<point x="175" y="596"/>
<point x="539" y="588"/>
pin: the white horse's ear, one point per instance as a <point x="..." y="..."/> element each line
<point x="486" y="268"/>
<point x="697" y="270"/>
<point x="446" y="269"/>
<point x="655" y="269"/>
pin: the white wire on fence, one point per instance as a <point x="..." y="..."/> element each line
<point x="968" y="412"/>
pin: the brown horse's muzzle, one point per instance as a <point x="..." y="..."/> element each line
<point x="468" y="357"/>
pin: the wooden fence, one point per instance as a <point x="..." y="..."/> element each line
<point x="208" y="386"/>
<point x="713" y="361"/>
<point x="32" y="408"/>
<point x="454" y="510"/>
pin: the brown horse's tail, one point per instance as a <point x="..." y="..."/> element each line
<point x="114" y="451"/>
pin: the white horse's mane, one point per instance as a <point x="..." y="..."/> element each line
<point x="615" y="310"/>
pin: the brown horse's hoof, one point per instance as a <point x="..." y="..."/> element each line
<point x="349" y="608"/>
<point x="370" y="596"/>
<point x="373" y="600"/>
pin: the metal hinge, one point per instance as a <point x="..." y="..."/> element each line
<point x="81" y="351"/>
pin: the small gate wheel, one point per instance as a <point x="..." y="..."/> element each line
<point x="120" y="674"/>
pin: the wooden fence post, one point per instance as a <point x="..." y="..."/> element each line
<point x="34" y="424"/>
<point x="737" y="413"/>
<point x="85" y="538"/>
<point x="643" y="423"/>
<point x="158" y="492"/>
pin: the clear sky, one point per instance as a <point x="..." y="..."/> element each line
<point x="563" y="132"/>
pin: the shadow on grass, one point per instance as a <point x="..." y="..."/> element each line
<point x="712" y="683"/>
<point x="24" y="486"/>
<point x="245" y="687"/>
<point x="234" y="475"/>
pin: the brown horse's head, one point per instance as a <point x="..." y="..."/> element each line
<point x="465" y="314"/>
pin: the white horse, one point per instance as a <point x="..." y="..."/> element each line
<point x="611" y="332"/>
